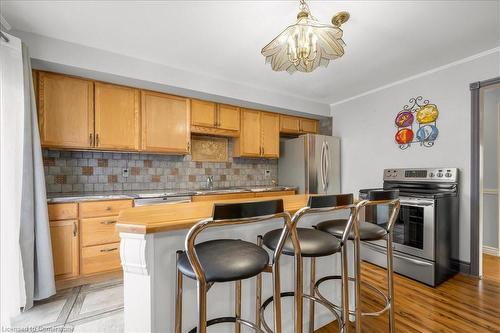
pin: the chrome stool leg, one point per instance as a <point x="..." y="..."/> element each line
<point x="237" y="306"/>
<point x="311" y="292"/>
<point x="178" y="297"/>
<point x="258" y="291"/>
<point x="357" y="284"/>
<point x="345" y="287"/>
<point x="390" y="283"/>
<point x="202" y="306"/>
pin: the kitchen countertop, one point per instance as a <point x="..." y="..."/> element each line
<point x="159" y="218"/>
<point x="117" y="195"/>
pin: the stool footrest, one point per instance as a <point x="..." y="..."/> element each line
<point x="222" y="320"/>
<point x="326" y="304"/>
<point x="352" y="312"/>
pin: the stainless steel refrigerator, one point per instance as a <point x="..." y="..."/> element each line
<point x="311" y="162"/>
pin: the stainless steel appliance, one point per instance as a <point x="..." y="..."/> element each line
<point x="311" y="162"/>
<point x="426" y="232"/>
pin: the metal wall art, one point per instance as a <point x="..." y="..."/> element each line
<point x="416" y="123"/>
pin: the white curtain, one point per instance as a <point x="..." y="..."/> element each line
<point x="26" y="255"/>
<point x="34" y="238"/>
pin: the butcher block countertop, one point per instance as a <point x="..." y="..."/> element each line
<point x="160" y="218"/>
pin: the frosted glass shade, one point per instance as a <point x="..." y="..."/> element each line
<point x="304" y="46"/>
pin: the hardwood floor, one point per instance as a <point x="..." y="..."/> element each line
<point x="461" y="304"/>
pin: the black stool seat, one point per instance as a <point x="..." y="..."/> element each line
<point x="313" y="243"/>
<point x="367" y="231"/>
<point x="226" y="260"/>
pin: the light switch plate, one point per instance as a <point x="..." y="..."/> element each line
<point x="125" y="173"/>
<point x="267" y="173"/>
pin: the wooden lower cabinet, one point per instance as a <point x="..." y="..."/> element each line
<point x="213" y="197"/>
<point x="274" y="193"/>
<point x="100" y="258"/>
<point x="65" y="248"/>
<point x="84" y="238"/>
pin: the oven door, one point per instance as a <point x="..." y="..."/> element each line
<point x="414" y="229"/>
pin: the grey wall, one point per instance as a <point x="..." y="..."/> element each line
<point x="77" y="171"/>
<point x="366" y="127"/>
<point x="491" y="104"/>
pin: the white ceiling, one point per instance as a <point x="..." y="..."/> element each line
<point x="386" y="40"/>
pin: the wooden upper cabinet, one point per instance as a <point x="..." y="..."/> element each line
<point x="165" y="123"/>
<point x="65" y="248"/>
<point x="250" y="137"/>
<point x="270" y="137"/>
<point x="116" y="117"/>
<point x="214" y="119"/>
<point x="203" y="113"/>
<point x="289" y="124"/>
<point x="228" y="117"/>
<point x="308" y="125"/>
<point x="65" y="111"/>
<point x="259" y="136"/>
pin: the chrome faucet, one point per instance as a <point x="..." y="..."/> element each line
<point x="210" y="182"/>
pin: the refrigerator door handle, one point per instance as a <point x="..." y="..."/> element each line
<point x="327" y="165"/>
<point x="323" y="166"/>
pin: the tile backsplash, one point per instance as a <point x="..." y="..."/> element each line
<point x="92" y="171"/>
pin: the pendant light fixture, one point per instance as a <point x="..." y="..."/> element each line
<point x="306" y="44"/>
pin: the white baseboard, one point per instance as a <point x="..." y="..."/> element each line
<point x="492" y="251"/>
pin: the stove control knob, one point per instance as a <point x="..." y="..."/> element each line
<point x="440" y="174"/>
<point x="431" y="175"/>
<point x="448" y="174"/>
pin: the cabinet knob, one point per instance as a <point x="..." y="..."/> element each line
<point x="91" y="139"/>
<point x="97" y="139"/>
<point x="108" y="222"/>
<point x="75" y="229"/>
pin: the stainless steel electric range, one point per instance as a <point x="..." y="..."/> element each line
<point x="426" y="232"/>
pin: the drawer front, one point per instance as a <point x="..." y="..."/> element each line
<point x="100" y="258"/>
<point x="103" y="208"/>
<point x="99" y="230"/>
<point x="63" y="211"/>
<point x="274" y="193"/>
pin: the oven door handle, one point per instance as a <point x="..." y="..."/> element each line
<point x="396" y="255"/>
<point x="416" y="204"/>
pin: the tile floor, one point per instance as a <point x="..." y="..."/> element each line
<point x="89" y="308"/>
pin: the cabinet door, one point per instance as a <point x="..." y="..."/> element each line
<point x="65" y="248"/>
<point x="116" y="117"/>
<point x="309" y="125"/>
<point x="228" y="117"/>
<point x="270" y="135"/>
<point x="289" y="124"/>
<point x="250" y="137"/>
<point x="203" y="113"/>
<point x="165" y="123"/>
<point x="65" y="111"/>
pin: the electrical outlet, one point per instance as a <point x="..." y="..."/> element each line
<point x="125" y="173"/>
<point x="267" y="173"/>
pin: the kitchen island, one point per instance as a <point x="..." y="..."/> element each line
<point x="150" y="237"/>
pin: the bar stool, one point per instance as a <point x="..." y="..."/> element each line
<point x="313" y="244"/>
<point x="366" y="231"/>
<point x="230" y="260"/>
